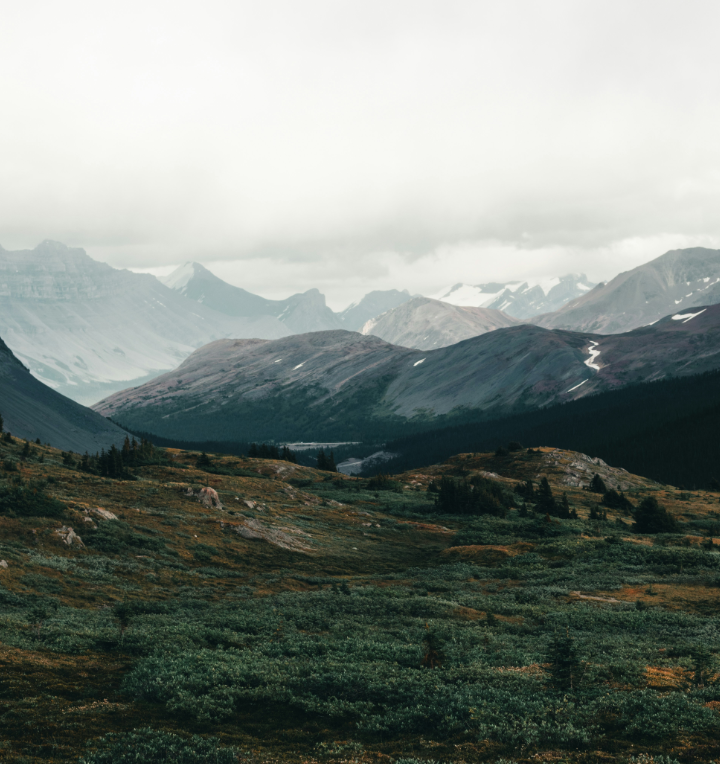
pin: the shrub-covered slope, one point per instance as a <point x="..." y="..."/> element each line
<point x="278" y="613"/>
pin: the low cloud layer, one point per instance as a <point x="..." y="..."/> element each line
<point x="360" y="145"/>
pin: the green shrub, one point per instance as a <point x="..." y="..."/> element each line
<point x="29" y="501"/>
<point x="148" y="746"/>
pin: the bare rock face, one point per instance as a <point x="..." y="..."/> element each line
<point x="68" y="536"/>
<point x="105" y="514"/>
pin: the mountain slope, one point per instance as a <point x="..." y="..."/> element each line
<point x="678" y="280"/>
<point x="345" y="386"/>
<point x="520" y="299"/>
<point x="32" y="410"/>
<point x="87" y="329"/>
<point x="373" y="304"/>
<point x="306" y="312"/>
<point x="427" y="324"/>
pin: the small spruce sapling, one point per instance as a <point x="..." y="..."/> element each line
<point x="565" y="666"/>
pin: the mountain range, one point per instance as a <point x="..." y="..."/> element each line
<point x="676" y="281"/>
<point x="345" y="386"/>
<point x="519" y="299"/>
<point x="89" y="330"/>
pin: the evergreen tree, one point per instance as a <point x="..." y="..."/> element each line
<point x="651" y="517"/>
<point x="2" y="423"/>
<point x="321" y="460"/>
<point x="25" y="453"/>
<point x="616" y="500"/>
<point x="704" y="667"/>
<point x="203" y="461"/>
<point x="565" y="666"/>
<point x="544" y="499"/>
<point x="126" y="451"/>
<point x="563" y="509"/>
<point x="526" y="490"/>
<point x="597" y="485"/>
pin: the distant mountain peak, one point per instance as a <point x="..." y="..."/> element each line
<point x="520" y="299"/>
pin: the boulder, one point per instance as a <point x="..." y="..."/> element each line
<point x="3" y="564"/>
<point x="68" y="536"/>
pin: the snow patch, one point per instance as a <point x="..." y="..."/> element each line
<point x="593" y="355"/>
<point x="298" y="366"/>
<point x="417" y="363"/>
<point x="576" y="386"/>
<point x="278" y="360"/>
<point x="685" y="317"/>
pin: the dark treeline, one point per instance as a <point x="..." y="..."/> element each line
<point x="117" y="462"/>
<point x="666" y="430"/>
<point x="264" y="451"/>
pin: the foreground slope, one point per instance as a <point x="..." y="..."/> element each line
<point x="345" y="386"/>
<point x="675" y="282"/>
<point x="87" y="329"/>
<point x="309" y="617"/>
<point x="428" y="324"/>
<point x="32" y="410"/>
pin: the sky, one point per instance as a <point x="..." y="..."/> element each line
<point x="352" y="146"/>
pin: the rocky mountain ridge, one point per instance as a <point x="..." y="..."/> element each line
<point x="427" y="324"/>
<point x="676" y="281"/>
<point x="342" y="385"/>
<point x="87" y="329"/>
<point x="519" y="299"/>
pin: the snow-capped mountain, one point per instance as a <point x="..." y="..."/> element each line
<point x="87" y="329"/>
<point x="676" y="281"/>
<point x="426" y="324"/>
<point x="520" y="299"/>
<point x="304" y="312"/>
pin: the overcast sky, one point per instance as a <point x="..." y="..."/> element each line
<point x="362" y="145"/>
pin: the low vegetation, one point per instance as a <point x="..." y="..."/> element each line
<point x="492" y="608"/>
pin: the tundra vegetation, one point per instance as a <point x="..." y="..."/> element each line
<point x="491" y="608"/>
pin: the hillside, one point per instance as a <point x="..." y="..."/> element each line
<point x="342" y="386"/>
<point x="665" y="430"/>
<point x="32" y="410"/>
<point x="87" y="329"/>
<point x="428" y="324"/>
<point x="308" y="617"/>
<point x="677" y="281"/>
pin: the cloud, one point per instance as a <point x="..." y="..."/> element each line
<point x="346" y="144"/>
